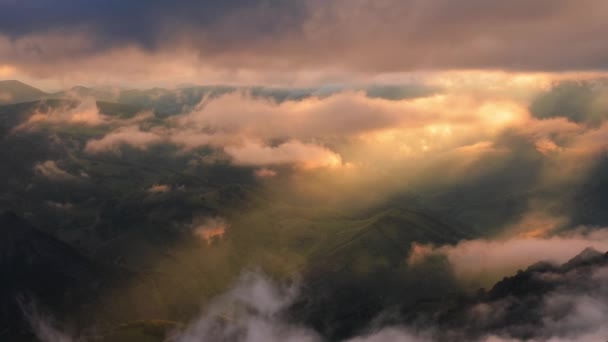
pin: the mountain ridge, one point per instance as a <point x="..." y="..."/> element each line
<point x="14" y="91"/>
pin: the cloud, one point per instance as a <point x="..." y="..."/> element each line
<point x="308" y="156"/>
<point x="6" y="71"/>
<point x="303" y="36"/>
<point x="241" y="125"/>
<point x="546" y="146"/>
<point x="77" y="111"/>
<point x="159" y="188"/>
<point x="121" y="24"/>
<point x="462" y="145"/>
<point x="51" y="170"/>
<point x="490" y="259"/>
<point x="249" y="153"/>
<point x="572" y="308"/>
<point x="265" y="173"/>
<point x="130" y="136"/>
<point x="245" y="126"/>
<point x="536" y="223"/>
<point x="210" y="229"/>
<point x="395" y="334"/>
<point x="250" y="312"/>
<point x="431" y="142"/>
<point x="343" y="113"/>
<point x="43" y="326"/>
<point x="578" y="101"/>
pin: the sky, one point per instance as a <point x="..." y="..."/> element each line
<point x="54" y="44"/>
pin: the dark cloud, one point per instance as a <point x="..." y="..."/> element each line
<point x="578" y="101"/>
<point x="586" y="198"/>
<point x="379" y="36"/>
<point x="148" y="23"/>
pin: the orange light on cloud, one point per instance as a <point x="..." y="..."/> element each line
<point x="211" y="229"/>
<point x="7" y="70"/>
<point x="208" y="234"/>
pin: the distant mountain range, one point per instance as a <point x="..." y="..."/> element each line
<point x="172" y="101"/>
<point x="163" y="101"/>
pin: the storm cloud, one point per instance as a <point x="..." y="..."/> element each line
<point x="258" y="40"/>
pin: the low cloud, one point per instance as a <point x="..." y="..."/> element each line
<point x="578" y="101"/>
<point x="43" y="325"/>
<point x="395" y="334"/>
<point x="491" y="259"/>
<point x="265" y="173"/>
<point x="51" y="170"/>
<point x="345" y="113"/>
<point x="210" y="229"/>
<point x="308" y="156"/>
<point x="430" y="142"/>
<point x="252" y="311"/>
<point x="130" y="135"/>
<point x="307" y="130"/>
<point x="83" y="112"/>
<point x="159" y="188"/>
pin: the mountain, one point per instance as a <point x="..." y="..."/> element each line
<point x="81" y="92"/>
<point x="589" y="256"/>
<point x="36" y="268"/>
<point x="543" y="302"/>
<point x="352" y="279"/>
<point x="12" y="91"/>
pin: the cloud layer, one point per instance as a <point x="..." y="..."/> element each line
<point x="246" y="39"/>
<point x="489" y="260"/>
